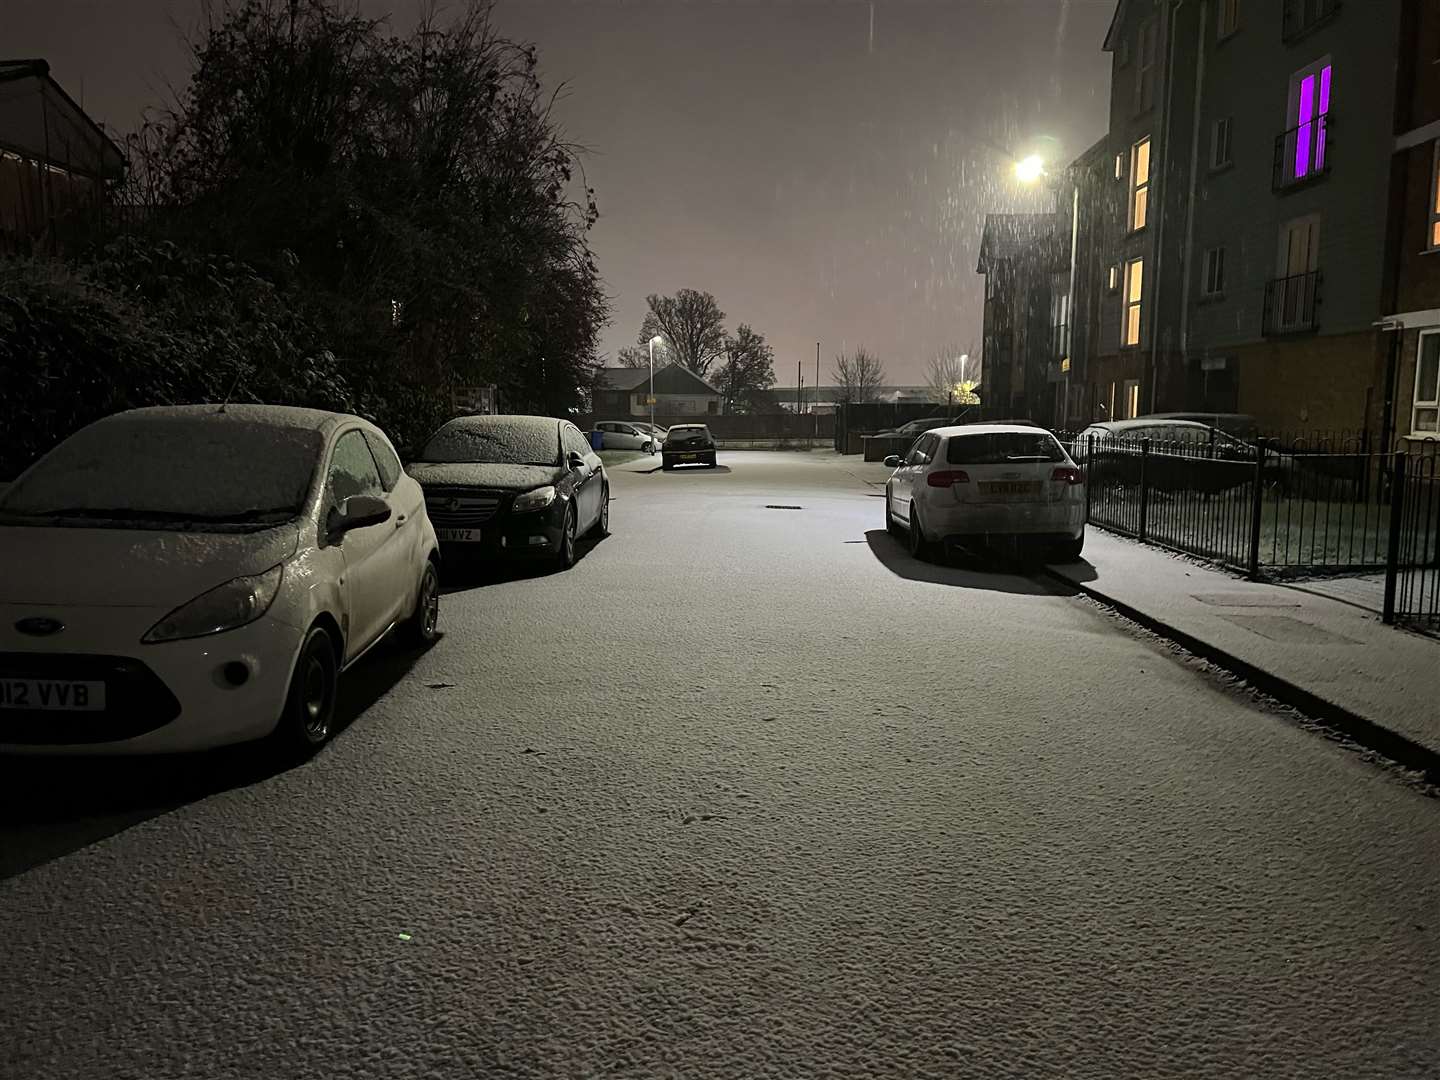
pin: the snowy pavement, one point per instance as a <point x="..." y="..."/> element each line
<point x="746" y="793"/>
<point x="1302" y="634"/>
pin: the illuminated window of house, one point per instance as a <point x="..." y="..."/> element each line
<point x="1425" y="420"/>
<point x="1112" y="278"/>
<point x="1434" y="234"/>
<point x="1140" y="183"/>
<point x="1120" y="166"/>
<point x="1310" y="119"/>
<point x="1134" y="285"/>
<point x="1132" y="398"/>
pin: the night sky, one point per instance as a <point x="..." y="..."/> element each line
<point x="821" y="186"/>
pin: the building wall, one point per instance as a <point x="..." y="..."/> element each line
<point x="1325" y="383"/>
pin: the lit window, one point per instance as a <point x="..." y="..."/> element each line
<point x="1229" y="18"/>
<point x="1112" y="278"/>
<point x="1309" y="114"/>
<point x="1220" y="143"/>
<point x="1120" y="166"/>
<point x="1213" y="278"/>
<point x="1132" y="398"/>
<point x="1134" y="286"/>
<point x="1145" y="68"/>
<point x="1434" y="238"/>
<point x="1139" y="183"/>
<point x="1427" y="385"/>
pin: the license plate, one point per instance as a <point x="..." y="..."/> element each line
<point x="687" y="457"/>
<point x="1011" y="487"/>
<point x="58" y="695"/>
<point x="459" y="536"/>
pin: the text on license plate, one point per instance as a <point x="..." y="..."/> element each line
<point x="57" y="694"/>
<point x="687" y="457"/>
<point x="1010" y="487"/>
<point x="459" y="536"/>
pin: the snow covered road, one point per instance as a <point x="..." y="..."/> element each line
<point x="746" y="793"/>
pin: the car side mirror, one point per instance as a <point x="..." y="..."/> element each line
<point x="892" y="461"/>
<point x="357" y="512"/>
<point x="576" y="460"/>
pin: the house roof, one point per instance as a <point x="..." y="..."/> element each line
<point x="1010" y="236"/>
<point x="1116" y="21"/>
<point x="670" y="379"/>
<point x="40" y="121"/>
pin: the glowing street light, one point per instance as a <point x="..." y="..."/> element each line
<point x="1030" y="169"/>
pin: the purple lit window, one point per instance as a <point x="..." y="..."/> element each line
<point x="1310" y="132"/>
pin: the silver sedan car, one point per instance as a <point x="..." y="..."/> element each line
<point x="628" y="435"/>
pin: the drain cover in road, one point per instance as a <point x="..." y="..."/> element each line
<point x="1288" y="631"/>
<point x="1242" y="599"/>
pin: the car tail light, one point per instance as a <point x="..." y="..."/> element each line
<point x="947" y="478"/>
<point x="1069" y="474"/>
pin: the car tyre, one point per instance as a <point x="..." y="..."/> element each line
<point x="423" y="625"/>
<point x="891" y="525"/>
<point x="1068" y="551"/>
<point x="602" y="522"/>
<point x="648" y="448"/>
<point x="919" y="546"/>
<point x="309" y="717"/>
<point x="711" y="462"/>
<point x="666" y="465"/>
<point x="565" y="557"/>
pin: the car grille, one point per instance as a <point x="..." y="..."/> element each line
<point x="462" y="509"/>
<point x="136" y="701"/>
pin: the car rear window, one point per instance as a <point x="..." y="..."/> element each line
<point x="1002" y="447"/>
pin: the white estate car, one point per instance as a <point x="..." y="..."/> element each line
<point x="178" y="578"/>
<point x="624" y="435"/>
<point x="975" y="482"/>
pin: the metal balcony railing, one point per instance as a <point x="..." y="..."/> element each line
<point x="1302" y="154"/>
<point x="1292" y="304"/>
<point x="1301" y="16"/>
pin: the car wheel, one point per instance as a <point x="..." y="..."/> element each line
<point x="602" y="523"/>
<point x="712" y="460"/>
<point x="565" y="558"/>
<point x="423" y="626"/>
<point x="1069" y="550"/>
<point x="309" y="714"/>
<point x="647" y="448"/>
<point x="919" y="546"/>
<point x="891" y="525"/>
<point x="666" y="465"/>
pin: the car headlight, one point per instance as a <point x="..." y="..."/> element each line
<point x="534" y="500"/>
<point x="239" y="601"/>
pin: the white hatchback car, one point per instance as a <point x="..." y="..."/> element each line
<point x="179" y="578"/>
<point x="623" y="435"/>
<point x="976" y="482"/>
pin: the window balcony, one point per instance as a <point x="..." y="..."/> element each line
<point x="1292" y="304"/>
<point x="1302" y="16"/>
<point x="1302" y="154"/>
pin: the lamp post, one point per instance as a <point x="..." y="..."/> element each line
<point x="651" y="395"/>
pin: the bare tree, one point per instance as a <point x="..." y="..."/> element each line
<point x="633" y="356"/>
<point x="859" y="375"/>
<point x="692" y="326"/>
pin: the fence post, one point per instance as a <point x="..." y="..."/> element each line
<point x="1144" y="486"/>
<point x="1257" y="508"/>
<point x="1089" y="472"/>
<point x="1392" y="550"/>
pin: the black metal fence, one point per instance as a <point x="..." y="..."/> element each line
<point x="1412" y="577"/>
<point x="1265" y="510"/>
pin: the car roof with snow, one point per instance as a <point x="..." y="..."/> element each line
<point x="988" y="429"/>
<point x="275" y="416"/>
<point x="511" y="421"/>
<point x="1144" y="422"/>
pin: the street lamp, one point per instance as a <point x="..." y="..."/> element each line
<point x="1030" y="169"/>
<point x="651" y="395"/>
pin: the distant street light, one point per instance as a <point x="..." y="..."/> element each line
<point x="1030" y="169"/>
<point x="651" y="395"/>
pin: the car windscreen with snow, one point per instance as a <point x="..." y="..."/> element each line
<point x="1003" y="448"/>
<point x="494" y="442"/>
<point x="150" y="473"/>
<point x="688" y="433"/>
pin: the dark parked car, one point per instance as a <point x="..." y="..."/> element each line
<point x="1174" y="444"/>
<point x="687" y="444"/>
<point x="512" y="487"/>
